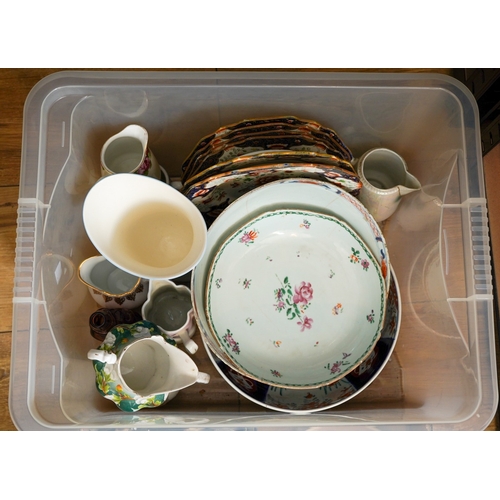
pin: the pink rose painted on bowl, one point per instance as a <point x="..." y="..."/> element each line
<point x="295" y="303"/>
<point x="303" y="293"/>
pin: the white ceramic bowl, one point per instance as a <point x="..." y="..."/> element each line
<point x="303" y="401"/>
<point x="307" y="194"/>
<point x="277" y="301"/>
<point x="144" y="226"/>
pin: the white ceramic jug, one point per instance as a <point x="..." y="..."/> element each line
<point x="128" y="152"/>
<point x="385" y="179"/>
<point x="138" y="367"/>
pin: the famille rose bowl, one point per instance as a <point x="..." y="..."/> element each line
<point x="303" y="401"/>
<point x="299" y="194"/>
<point x="295" y="299"/>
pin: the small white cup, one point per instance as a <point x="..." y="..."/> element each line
<point x="169" y="307"/>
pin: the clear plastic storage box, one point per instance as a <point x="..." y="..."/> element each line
<point x="442" y="374"/>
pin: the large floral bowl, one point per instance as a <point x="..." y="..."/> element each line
<point x="306" y="194"/>
<point x="277" y="301"/>
<point x="303" y="401"/>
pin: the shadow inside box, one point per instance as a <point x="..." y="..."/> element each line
<point x="386" y="390"/>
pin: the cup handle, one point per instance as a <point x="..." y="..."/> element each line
<point x="189" y="344"/>
<point x="203" y="378"/>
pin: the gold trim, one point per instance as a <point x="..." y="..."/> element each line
<point x="114" y="295"/>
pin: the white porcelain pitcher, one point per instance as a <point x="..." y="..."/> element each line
<point x="385" y="179"/>
<point x="128" y="152"/>
<point x="137" y="367"/>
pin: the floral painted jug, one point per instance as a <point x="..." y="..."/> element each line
<point x="128" y="152"/>
<point x="137" y="366"/>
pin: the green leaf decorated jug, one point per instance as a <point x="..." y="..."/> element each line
<point x="137" y="366"/>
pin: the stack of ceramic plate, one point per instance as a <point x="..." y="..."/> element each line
<point x="294" y="292"/>
<point x="240" y="157"/>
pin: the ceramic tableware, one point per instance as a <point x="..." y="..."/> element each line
<point x="169" y="306"/>
<point x="249" y="145"/>
<point x="138" y="367"/>
<point x="302" y="401"/>
<point x="386" y="180"/>
<point x="144" y="226"/>
<point x="277" y="303"/>
<point x="128" y="152"/>
<point x="111" y="286"/>
<point x="215" y="193"/>
<point x="268" y="122"/>
<point x="289" y="193"/>
<point x="275" y="138"/>
<point x="265" y="158"/>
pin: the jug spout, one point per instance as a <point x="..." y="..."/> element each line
<point x="404" y="190"/>
<point x="182" y="371"/>
<point x="203" y="378"/>
<point x="412" y="184"/>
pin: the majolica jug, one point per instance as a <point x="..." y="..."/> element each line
<point x="137" y="366"/>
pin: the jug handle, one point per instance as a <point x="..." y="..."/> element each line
<point x="102" y="356"/>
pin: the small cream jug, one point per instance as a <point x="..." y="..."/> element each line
<point x="110" y="286"/>
<point x="385" y="179"/>
<point x="128" y="152"/>
<point x="138" y="367"/>
<point x="169" y="306"/>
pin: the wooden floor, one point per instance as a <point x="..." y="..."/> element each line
<point x="14" y="88"/>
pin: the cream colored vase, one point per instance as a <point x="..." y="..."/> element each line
<point x="386" y="180"/>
